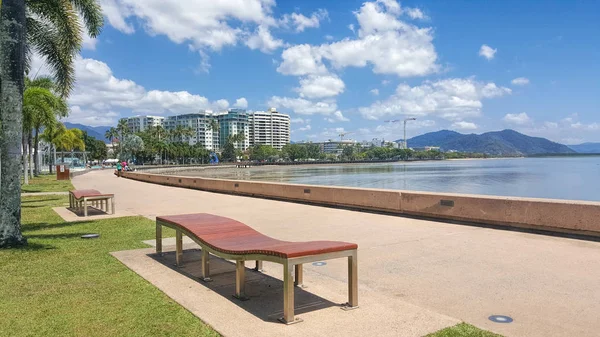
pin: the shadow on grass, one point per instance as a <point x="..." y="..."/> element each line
<point x="265" y="292"/>
<point x="33" y="246"/>
<point x="55" y="236"/>
<point x="40" y="198"/>
<point x="45" y="225"/>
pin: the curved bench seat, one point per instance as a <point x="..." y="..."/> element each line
<point x="79" y="199"/>
<point x="234" y="240"/>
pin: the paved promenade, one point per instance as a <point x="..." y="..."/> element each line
<point x="441" y="272"/>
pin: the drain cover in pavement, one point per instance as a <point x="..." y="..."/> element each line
<point x="500" y="319"/>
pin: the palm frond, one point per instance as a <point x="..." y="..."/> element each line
<point x="91" y="12"/>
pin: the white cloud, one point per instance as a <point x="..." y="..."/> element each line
<point x="520" y="81"/>
<point x="302" y="22"/>
<point x="204" y="24"/>
<point x="303" y="106"/>
<point x="567" y="131"/>
<point x="317" y="86"/>
<point x="518" y="119"/>
<point x="452" y="99"/>
<point x="415" y="13"/>
<point x="487" y="52"/>
<point x="374" y="92"/>
<point x="329" y="37"/>
<point x="301" y="60"/>
<point x="337" y="117"/>
<point x="99" y="97"/>
<point x="300" y="120"/>
<point x="89" y="42"/>
<point x="263" y="40"/>
<point x="351" y="27"/>
<point x="462" y="125"/>
<point x="385" y="82"/>
<point x="305" y="128"/>
<point x="241" y="103"/>
<point x="550" y="125"/>
<point x="390" y="45"/>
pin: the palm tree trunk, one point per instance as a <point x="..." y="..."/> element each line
<point x="12" y="60"/>
<point x="36" y="146"/>
<point x="25" y="161"/>
<point x="51" y="161"/>
<point x="30" y="153"/>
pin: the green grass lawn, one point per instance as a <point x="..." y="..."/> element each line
<point x="463" y="330"/>
<point x="47" y="183"/>
<point x="62" y="285"/>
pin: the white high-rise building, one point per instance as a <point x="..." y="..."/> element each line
<point x="233" y="122"/>
<point x="141" y="123"/>
<point x="202" y="126"/>
<point x="269" y="128"/>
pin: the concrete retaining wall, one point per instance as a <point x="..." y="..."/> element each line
<point x="578" y="217"/>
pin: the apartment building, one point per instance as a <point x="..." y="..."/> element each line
<point x="202" y="126"/>
<point x="269" y="128"/>
<point x="141" y="123"/>
<point x="233" y="122"/>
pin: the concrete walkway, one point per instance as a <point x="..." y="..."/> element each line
<point x="549" y="285"/>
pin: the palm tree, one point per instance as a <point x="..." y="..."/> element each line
<point x="51" y="134"/>
<point x="51" y="28"/>
<point x="69" y="140"/>
<point x="43" y="107"/>
<point x="122" y="130"/>
<point x="111" y="134"/>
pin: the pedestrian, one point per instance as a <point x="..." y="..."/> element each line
<point x="119" y="168"/>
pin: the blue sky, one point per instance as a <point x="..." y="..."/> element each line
<point x="470" y="66"/>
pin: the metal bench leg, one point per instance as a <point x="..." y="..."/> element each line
<point x="85" y="212"/>
<point x="288" y="295"/>
<point x="258" y="266"/>
<point x="178" y="248"/>
<point x="112" y="205"/>
<point x="205" y="266"/>
<point x="298" y="277"/>
<point x="158" y="238"/>
<point x="240" y="281"/>
<point x="352" y="282"/>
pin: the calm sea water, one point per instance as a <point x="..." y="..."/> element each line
<point x="559" y="178"/>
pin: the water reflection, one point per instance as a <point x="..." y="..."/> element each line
<point x="563" y="178"/>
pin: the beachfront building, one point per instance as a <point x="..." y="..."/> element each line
<point x="141" y="123"/>
<point x="233" y="122"/>
<point x="336" y="146"/>
<point x="269" y="128"/>
<point x="201" y="125"/>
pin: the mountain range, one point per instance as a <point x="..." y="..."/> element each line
<point x="586" y="148"/>
<point x="92" y="131"/>
<point x="500" y="143"/>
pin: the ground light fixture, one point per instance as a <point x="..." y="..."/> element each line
<point x="90" y="236"/>
<point x="500" y="319"/>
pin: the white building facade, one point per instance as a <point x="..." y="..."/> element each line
<point x="141" y="123"/>
<point x="269" y="128"/>
<point x="201" y="125"/>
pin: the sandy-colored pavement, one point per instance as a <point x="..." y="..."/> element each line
<point x="550" y="286"/>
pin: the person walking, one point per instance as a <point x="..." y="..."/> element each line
<point x="119" y="168"/>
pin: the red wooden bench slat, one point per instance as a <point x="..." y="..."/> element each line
<point x="78" y="194"/>
<point x="233" y="237"/>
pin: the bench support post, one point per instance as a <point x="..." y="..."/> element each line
<point x="158" y="238"/>
<point x="288" y="295"/>
<point x="85" y="211"/>
<point x="205" y="266"/>
<point x="240" y="281"/>
<point x="112" y="205"/>
<point x="298" y="276"/>
<point x="178" y="248"/>
<point x="258" y="266"/>
<point x="352" y="282"/>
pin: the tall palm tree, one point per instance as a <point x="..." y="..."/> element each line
<point x="69" y="140"/>
<point x="51" y="134"/>
<point x="52" y="28"/>
<point x="110" y="135"/>
<point x="122" y="130"/>
<point x="43" y="108"/>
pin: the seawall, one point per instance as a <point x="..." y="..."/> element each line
<point x="565" y="216"/>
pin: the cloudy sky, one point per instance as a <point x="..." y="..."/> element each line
<point x="469" y="66"/>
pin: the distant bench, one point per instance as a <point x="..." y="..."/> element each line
<point x="233" y="240"/>
<point x="79" y="199"/>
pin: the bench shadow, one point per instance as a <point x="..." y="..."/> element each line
<point x="265" y="292"/>
<point x="91" y="211"/>
<point x="45" y="225"/>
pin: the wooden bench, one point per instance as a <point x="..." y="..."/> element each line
<point x="233" y="240"/>
<point x="79" y="199"/>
